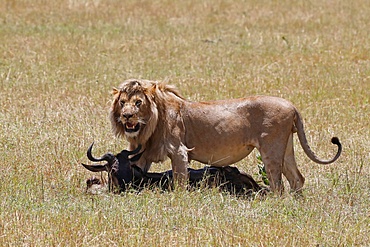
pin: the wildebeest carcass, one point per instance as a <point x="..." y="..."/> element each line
<point x="124" y="174"/>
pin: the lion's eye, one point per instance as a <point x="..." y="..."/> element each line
<point x="138" y="103"/>
<point x="122" y="103"/>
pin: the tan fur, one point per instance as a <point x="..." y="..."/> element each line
<point x="217" y="133"/>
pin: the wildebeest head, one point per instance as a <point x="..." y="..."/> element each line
<point x="118" y="167"/>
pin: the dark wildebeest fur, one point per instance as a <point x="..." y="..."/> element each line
<point x="123" y="173"/>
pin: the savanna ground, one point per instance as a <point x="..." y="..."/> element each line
<point x="60" y="59"/>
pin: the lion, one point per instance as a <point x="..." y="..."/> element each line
<point x="218" y="133"/>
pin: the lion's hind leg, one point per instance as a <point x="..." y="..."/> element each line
<point x="272" y="157"/>
<point x="290" y="169"/>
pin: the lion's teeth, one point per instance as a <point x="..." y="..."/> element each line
<point x="130" y="126"/>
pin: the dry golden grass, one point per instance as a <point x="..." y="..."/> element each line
<point x="60" y="59"/>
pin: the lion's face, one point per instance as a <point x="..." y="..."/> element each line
<point x="132" y="113"/>
<point x="132" y="110"/>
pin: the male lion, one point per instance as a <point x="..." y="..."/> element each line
<point x="219" y="133"/>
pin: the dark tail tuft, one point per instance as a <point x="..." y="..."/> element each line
<point x="335" y="140"/>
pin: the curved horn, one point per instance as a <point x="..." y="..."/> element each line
<point x="137" y="156"/>
<point x="135" y="151"/>
<point x="96" y="168"/>
<point x="106" y="157"/>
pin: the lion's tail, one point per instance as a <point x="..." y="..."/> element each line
<point x="303" y="140"/>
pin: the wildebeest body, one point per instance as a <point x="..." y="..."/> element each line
<point x="124" y="174"/>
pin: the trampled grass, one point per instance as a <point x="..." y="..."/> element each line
<point x="60" y="59"/>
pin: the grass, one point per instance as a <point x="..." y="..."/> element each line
<point x="60" y="59"/>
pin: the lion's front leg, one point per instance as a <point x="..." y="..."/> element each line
<point x="180" y="162"/>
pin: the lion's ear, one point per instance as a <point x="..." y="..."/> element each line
<point x="151" y="90"/>
<point x="115" y="91"/>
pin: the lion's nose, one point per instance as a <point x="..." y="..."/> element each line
<point x="127" y="115"/>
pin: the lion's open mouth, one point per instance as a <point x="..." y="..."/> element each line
<point x="129" y="127"/>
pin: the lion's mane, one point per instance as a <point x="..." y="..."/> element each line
<point x="156" y="131"/>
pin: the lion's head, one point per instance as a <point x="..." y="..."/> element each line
<point x="136" y="108"/>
